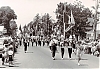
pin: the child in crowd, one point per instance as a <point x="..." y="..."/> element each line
<point x="10" y="53"/>
<point x="3" y="57"/>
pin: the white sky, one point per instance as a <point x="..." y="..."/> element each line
<point x="27" y="9"/>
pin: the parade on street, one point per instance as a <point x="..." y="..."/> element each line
<point x="50" y="34"/>
<point x="40" y="57"/>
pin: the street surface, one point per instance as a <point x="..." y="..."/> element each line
<point x="40" y="57"/>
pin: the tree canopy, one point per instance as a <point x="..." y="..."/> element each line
<point x="6" y="14"/>
<point x="80" y="13"/>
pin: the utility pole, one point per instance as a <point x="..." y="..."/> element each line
<point x="63" y="18"/>
<point x="95" y="20"/>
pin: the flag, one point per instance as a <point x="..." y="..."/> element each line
<point x="69" y="27"/>
<point x="71" y="22"/>
<point x="72" y="18"/>
<point x="65" y="17"/>
<point x="20" y="28"/>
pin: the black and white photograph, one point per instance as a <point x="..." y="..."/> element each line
<point x="50" y="34"/>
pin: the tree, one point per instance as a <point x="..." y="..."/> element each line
<point x="80" y="14"/>
<point x="37" y="21"/>
<point x="47" y="24"/>
<point x="7" y="14"/>
<point x="13" y="28"/>
<point x="25" y="29"/>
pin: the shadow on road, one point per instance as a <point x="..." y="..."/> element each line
<point x="64" y="59"/>
<point x="29" y="52"/>
<point x="2" y="67"/>
<point x="83" y="65"/>
<point x="17" y="63"/>
<point x="13" y="66"/>
<point x="84" y="59"/>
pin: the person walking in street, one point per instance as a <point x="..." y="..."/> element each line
<point x="74" y="48"/>
<point x="20" y="38"/>
<point x="93" y="48"/>
<point x="28" y="41"/>
<point x="43" y="42"/>
<point x="39" y="42"/>
<point x="61" y="44"/>
<point x="32" y="40"/>
<point x="25" y="45"/>
<point x="36" y="41"/>
<point x="50" y="45"/>
<point x="62" y="49"/>
<point x="73" y="45"/>
<point x="53" y="44"/>
<point x="80" y="49"/>
<point x="70" y="49"/>
<point x="48" y="41"/>
<point x="20" y="41"/>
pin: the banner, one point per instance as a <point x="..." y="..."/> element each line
<point x="71" y="22"/>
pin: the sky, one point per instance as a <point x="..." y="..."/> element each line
<point x="26" y="10"/>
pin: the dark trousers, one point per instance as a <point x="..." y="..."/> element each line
<point x="53" y="48"/>
<point x="3" y="59"/>
<point x="62" y="52"/>
<point x="25" y="47"/>
<point x="43" y="43"/>
<point x="32" y="43"/>
<point x="20" y="43"/>
<point x="10" y="58"/>
<point x="89" y="50"/>
<point x="39" y="42"/>
<point x="47" y="43"/>
<point x="36" y="43"/>
<point x="70" y="52"/>
<point x="50" y="47"/>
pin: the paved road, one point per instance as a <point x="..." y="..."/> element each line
<point x="40" y="57"/>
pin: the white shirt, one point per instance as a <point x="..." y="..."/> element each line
<point x="70" y="46"/>
<point x="26" y="35"/>
<point x="56" y="41"/>
<point x="51" y="42"/>
<point x="4" y="54"/>
<point x="10" y="52"/>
